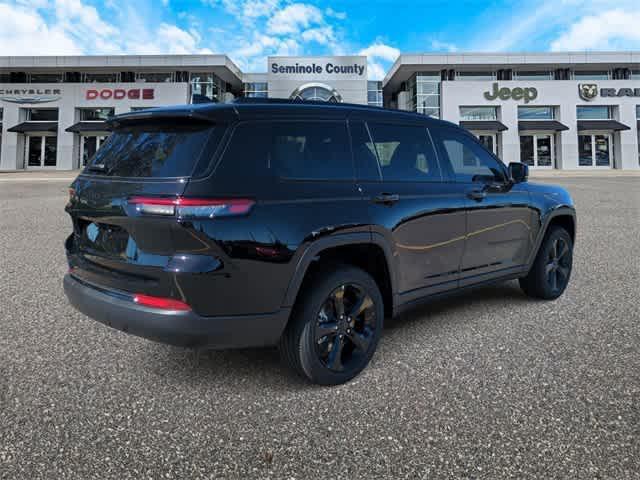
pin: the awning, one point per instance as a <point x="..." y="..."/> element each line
<point x="26" y="127"/>
<point x="488" y="125"/>
<point x="81" y="127"/>
<point x="612" y="125"/>
<point x="542" y="125"/>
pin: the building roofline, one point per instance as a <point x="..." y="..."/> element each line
<point x="219" y="61"/>
<point x="509" y="58"/>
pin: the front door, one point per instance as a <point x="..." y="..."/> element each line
<point x="537" y="150"/>
<point x="421" y="216"/>
<point x="595" y="150"/>
<point x="489" y="141"/>
<point x="498" y="233"/>
<point x="89" y="145"/>
<point x="41" y="151"/>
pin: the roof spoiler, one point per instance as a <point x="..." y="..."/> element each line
<point x="166" y="114"/>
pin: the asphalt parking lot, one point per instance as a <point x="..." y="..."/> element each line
<point x="490" y="385"/>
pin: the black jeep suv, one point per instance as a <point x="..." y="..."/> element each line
<point x="301" y="225"/>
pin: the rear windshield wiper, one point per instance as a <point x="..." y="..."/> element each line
<point x="98" y="168"/>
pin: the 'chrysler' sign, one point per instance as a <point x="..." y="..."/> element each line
<point x="30" y="95"/>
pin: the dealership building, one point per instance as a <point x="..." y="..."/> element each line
<point x="550" y="110"/>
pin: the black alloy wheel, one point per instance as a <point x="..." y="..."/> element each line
<point x="345" y="327"/>
<point x="551" y="270"/>
<point x="335" y="325"/>
<point x="558" y="265"/>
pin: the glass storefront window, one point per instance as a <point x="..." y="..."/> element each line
<point x="374" y="93"/>
<point x="424" y="88"/>
<point x="591" y="75"/>
<point x="96" y="114"/>
<point x="536" y="113"/>
<point x="42" y="151"/>
<point x="45" y="77"/>
<point x="101" y="77"/>
<point x="534" y="75"/>
<point x="256" y="90"/>
<point x="594" y="112"/>
<point x="476" y="75"/>
<point x="635" y="75"/>
<point x="155" y="77"/>
<point x="478" y="113"/>
<point x="537" y="150"/>
<point x="42" y="115"/>
<point x="206" y="87"/>
<point x="595" y="150"/>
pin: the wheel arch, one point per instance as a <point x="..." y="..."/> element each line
<point x="363" y="250"/>
<point x="564" y="216"/>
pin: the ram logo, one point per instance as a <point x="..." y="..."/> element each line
<point x="588" y="91"/>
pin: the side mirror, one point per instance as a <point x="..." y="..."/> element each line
<point x="518" y="172"/>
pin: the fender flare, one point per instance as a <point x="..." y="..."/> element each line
<point x="560" y="211"/>
<point x="344" y="239"/>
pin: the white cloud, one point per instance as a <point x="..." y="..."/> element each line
<point x="380" y="50"/>
<point x="293" y="18"/>
<point x="332" y="13"/>
<point x="439" y="46"/>
<point x="25" y="32"/>
<point x="613" y="29"/>
<point x="321" y="35"/>
<point x="379" y="57"/>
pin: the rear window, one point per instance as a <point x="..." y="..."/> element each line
<point x="164" y="151"/>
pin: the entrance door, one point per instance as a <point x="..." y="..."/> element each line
<point x="489" y="141"/>
<point x="537" y="150"/>
<point x="595" y="150"/>
<point x="41" y="151"/>
<point x="89" y="145"/>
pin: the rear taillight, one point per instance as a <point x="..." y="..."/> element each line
<point x="160" y="303"/>
<point x="192" y="207"/>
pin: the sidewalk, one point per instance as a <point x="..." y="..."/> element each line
<point x="39" y="176"/>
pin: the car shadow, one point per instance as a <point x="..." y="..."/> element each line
<point x="492" y="295"/>
<point x="263" y="368"/>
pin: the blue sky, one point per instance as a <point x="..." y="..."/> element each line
<point x="249" y="31"/>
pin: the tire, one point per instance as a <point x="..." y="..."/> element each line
<point x="551" y="270"/>
<point x="321" y="345"/>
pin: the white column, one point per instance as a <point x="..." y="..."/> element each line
<point x="10" y="152"/>
<point x="627" y="153"/>
<point x="66" y="158"/>
<point x="510" y="137"/>
<point x="568" y="151"/>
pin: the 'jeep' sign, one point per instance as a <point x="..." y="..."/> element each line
<point x="517" y="93"/>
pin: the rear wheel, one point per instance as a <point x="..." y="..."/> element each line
<point x="551" y="270"/>
<point x="335" y="326"/>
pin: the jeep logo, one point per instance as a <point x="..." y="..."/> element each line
<point x="588" y="91"/>
<point x="516" y="93"/>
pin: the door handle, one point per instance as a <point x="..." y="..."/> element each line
<point x="386" y="198"/>
<point x="478" y="195"/>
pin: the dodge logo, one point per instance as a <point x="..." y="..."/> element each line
<point x="588" y="91"/>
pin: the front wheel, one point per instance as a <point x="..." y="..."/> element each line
<point x="551" y="270"/>
<point x="335" y="326"/>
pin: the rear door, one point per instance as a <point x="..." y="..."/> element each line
<point x="113" y="244"/>
<point x="498" y="233"/>
<point x="410" y="203"/>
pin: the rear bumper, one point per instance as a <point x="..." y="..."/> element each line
<point x="178" y="328"/>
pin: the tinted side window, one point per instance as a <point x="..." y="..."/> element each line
<point x="364" y="153"/>
<point x="311" y="150"/>
<point x="247" y="154"/>
<point x="468" y="161"/>
<point x="405" y="153"/>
